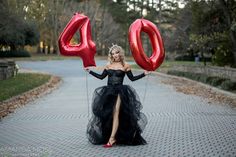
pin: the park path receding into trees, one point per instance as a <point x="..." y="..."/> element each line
<point x="55" y="125"/>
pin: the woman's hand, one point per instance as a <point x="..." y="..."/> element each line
<point x="147" y="72"/>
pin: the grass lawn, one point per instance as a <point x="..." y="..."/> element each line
<point x="21" y="83"/>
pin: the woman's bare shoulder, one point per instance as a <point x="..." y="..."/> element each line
<point x="107" y="66"/>
<point x="127" y="67"/>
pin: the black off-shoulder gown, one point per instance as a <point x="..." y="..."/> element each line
<point x="131" y="120"/>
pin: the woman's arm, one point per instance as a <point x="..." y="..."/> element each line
<point x="130" y="74"/>
<point x="132" y="77"/>
<point x="99" y="76"/>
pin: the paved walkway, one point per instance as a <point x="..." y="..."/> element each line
<point x="55" y="125"/>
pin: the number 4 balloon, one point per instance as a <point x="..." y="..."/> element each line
<point x="86" y="49"/>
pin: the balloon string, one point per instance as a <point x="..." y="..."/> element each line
<point x="87" y="96"/>
<point x="145" y="89"/>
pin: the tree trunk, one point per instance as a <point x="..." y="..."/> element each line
<point x="44" y="48"/>
<point x="141" y="11"/>
<point x="55" y="35"/>
<point x="160" y="9"/>
<point x="38" y="49"/>
<point x="13" y="47"/>
<point x="49" y="47"/>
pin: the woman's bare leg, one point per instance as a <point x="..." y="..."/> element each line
<point x="115" y="122"/>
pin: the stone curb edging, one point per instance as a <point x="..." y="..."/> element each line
<point x="9" y="105"/>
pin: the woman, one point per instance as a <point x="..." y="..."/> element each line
<point x="116" y="107"/>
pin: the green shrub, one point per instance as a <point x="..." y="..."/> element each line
<point x="203" y="78"/>
<point x="215" y="81"/>
<point x="195" y="76"/>
<point x="173" y="72"/>
<point x="184" y="58"/>
<point x="18" y="53"/>
<point x="191" y="58"/>
<point x="228" y="85"/>
<point x="188" y="75"/>
<point x="223" y="56"/>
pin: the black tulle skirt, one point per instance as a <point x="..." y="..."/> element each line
<point x="131" y="121"/>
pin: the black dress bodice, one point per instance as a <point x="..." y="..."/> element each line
<point x="116" y="77"/>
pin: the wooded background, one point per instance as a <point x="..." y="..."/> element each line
<point x="189" y="28"/>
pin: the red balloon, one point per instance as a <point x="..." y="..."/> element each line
<point x="158" y="55"/>
<point x="86" y="49"/>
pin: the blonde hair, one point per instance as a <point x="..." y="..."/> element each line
<point x="121" y="52"/>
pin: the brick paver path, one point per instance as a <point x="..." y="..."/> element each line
<point x="55" y="125"/>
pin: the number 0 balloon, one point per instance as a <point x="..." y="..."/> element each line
<point x="136" y="47"/>
<point x="86" y="49"/>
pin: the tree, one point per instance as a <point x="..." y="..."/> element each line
<point x="161" y="12"/>
<point x="16" y="32"/>
<point x="38" y="11"/>
<point x="229" y="10"/>
<point x="210" y="30"/>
